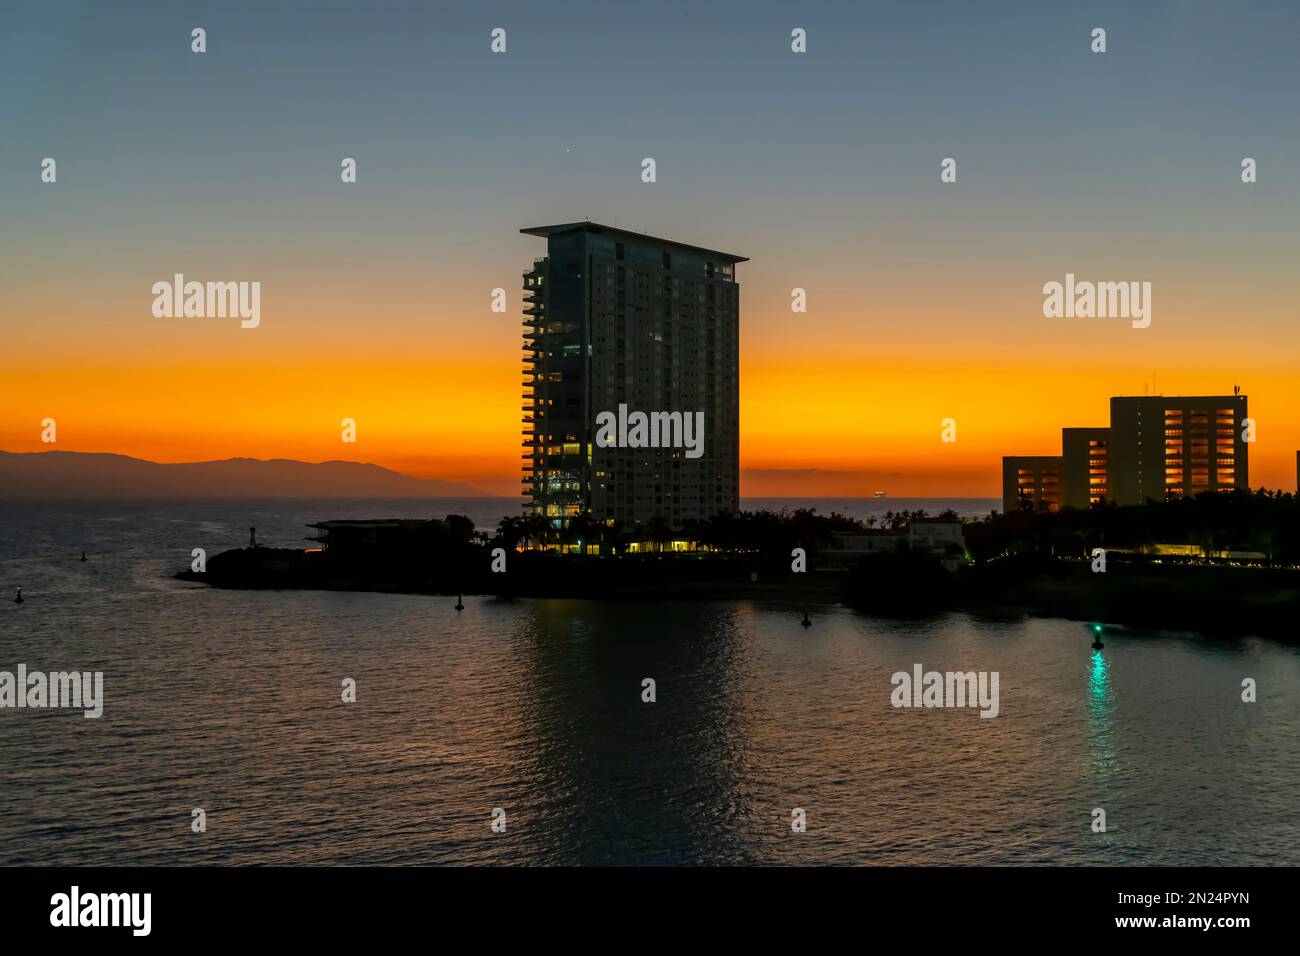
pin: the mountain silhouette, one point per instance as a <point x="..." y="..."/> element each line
<point x="70" y="474"/>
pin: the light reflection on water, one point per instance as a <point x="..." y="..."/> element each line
<point x="230" y="701"/>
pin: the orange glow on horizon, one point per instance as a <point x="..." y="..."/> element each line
<point x="837" y="425"/>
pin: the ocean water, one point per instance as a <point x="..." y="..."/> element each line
<point x="230" y="701"/>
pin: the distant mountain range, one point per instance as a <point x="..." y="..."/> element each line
<point x="71" y="474"/>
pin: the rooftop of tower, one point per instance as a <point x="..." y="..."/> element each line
<point x="599" y="229"/>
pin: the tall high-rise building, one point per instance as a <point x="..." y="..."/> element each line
<point x="1169" y="447"/>
<point x="619" y="322"/>
<point x="1085" y="466"/>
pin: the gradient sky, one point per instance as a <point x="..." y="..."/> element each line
<point x="925" y="299"/>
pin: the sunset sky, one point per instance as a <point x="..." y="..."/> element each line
<point x="925" y="299"/>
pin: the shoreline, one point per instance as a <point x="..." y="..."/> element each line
<point x="1212" y="600"/>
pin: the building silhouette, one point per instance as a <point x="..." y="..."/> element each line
<point x="1156" y="447"/>
<point x="1170" y="447"/>
<point x="617" y="318"/>
<point x="1085" y="466"/>
<point x="1031" y="483"/>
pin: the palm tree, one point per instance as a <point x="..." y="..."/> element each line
<point x="635" y="532"/>
<point x="614" y="537"/>
<point x="512" y="530"/>
<point x="539" y="528"/>
<point x="659" y="532"/>
<point x="693" y="531"/>
<point x="585" y="529"/>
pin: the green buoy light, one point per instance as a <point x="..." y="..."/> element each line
<point x="1096" y="641"/>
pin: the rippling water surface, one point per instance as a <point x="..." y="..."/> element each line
<point x="230" y="701"/>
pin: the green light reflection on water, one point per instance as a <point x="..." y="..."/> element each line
<point x="1101" y="707"/>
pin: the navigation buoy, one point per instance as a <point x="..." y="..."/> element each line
<point x="805" y="622"/>
<point x="1096" y="641"/>
<point x="459" y="606"/>
<point x="18" y="599"/>
<point x="83" y="556"/>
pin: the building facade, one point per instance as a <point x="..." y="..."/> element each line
<point x="941" y="535"/>
<point x="1155" y="448"/>
<point x="618" y="323"/>
<point x="1085" y="466"/>
<point x="849" y="547"/>
<point x="1031" y="483"/>
<point x="1169" y="447"/>
<point x="941" y="538"/>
